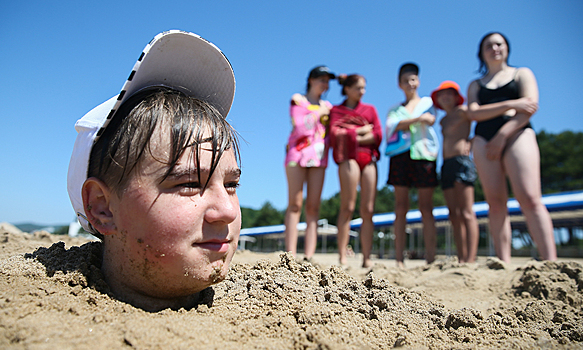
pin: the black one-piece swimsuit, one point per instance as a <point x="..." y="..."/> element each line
<point x="510" y="91"/>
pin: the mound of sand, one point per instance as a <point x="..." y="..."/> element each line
<point x="53" y="295"/>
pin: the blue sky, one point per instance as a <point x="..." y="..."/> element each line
<point x="59" y="59"/>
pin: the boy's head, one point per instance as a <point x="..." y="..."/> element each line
<point x="154" y="173"/>
<point x="447" y="95"/>
<point x="409" y="77"/>
<point x="408" y="68"/>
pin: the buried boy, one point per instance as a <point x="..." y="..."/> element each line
<point x="154" y="174"/>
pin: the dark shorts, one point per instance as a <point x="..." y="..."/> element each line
<point x="404" y="171"/>
<point x="459" y="168"/>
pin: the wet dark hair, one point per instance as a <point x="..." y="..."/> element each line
<point x="127" y="139"/>
<point x="483" y="69"/>
<point x="408" y="67"/>
<point x="348" y="81"/>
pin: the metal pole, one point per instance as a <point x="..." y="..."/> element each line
<point x="392" y="244"/>
<point x="448" y="240"/>
<point x="411" y="238"/>
<point x="491" y="251"/>
<point x="381" y="244"/>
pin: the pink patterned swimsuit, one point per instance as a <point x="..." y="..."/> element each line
<point x="308" y="142"/>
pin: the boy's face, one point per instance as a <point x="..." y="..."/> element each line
<point x="409" y="82"/>
<point x="171" y="238"/>
<point x="447" y="98"/>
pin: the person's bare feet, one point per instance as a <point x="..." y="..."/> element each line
<point x="366" y="263"/>
<point x="400" y="265"/>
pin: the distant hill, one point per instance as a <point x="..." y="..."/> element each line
<point x="28" y="227"/>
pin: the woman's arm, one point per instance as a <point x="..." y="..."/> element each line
<point x="479" y="113"/>
<point x="528" y="91"/>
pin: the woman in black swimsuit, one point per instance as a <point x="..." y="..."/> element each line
<point x="502" y="101"/>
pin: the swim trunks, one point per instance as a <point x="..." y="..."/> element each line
<point x="404" y="171"/>
<point x="458" y="168"/>
<point x="510" y="91"/>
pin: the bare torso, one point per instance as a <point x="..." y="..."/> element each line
<point x="455" y="127"/>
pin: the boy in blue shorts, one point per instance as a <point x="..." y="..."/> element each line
<point x="412" y="148"/>
<point x="458" y="172"/>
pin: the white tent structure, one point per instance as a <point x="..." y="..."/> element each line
<point x="562" y="206"/>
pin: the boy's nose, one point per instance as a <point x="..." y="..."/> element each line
<point x="222" y="207"/>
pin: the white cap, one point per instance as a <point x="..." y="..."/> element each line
<point x="179" y="60"/>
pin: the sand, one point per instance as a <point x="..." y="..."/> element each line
<point x="52" y="295"/>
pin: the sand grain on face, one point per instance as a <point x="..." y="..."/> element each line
<point x="53" y="295"/>
<point x="215" y="275"/>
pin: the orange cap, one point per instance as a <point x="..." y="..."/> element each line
<point x="448" y="84"/>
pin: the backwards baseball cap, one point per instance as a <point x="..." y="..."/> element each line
<point x="448" y="84"/>
<point x="174" y="59"/>
<point x="320" y="71"/>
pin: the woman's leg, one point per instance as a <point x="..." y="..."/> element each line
<point x="295" y="183"/>
<point x="522" y="161"/>
<point x="493" y="179"/>
<point x="451" y="198"/>
<point x="401" y="209"/>
<point x="429" y="232"/>
<point x="368" y="191"/>
<point x="349" y="175"/>
<point x="315" y="179"/>
<point x="471" y="232"/>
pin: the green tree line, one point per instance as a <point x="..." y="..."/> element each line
<point x="561" y="170"/>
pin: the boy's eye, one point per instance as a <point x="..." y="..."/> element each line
<point x="232" y="186"/>
<point x="189" y="187"/>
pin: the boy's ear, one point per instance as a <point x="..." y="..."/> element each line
<point x="96" y="199"/>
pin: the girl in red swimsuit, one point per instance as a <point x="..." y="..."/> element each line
<point x="502" y="101"/>
<point x="355" y="135"/>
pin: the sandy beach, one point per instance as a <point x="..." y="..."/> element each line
<point x="52" y="295"/>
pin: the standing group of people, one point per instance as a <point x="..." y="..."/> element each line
<point x="501" y="103"/>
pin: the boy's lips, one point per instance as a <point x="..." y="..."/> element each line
<point x="216" y="245"/>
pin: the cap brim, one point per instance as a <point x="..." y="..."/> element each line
<point x="185" y="62"/>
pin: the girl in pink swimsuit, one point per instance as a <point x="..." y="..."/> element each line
<point x="306" y="159"/>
